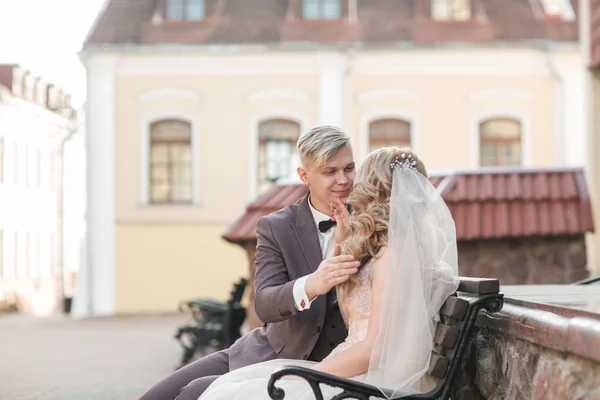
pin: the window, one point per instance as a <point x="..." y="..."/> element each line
<point x="52" y="178"/>
<point x="37" y="169"/>
<point x="20" y="255"/>
<point x="18" y="164"/>
<point x="322" y="9"/>
<point x="34" y="255"/>
<point x="451" y="10"/>
<point x="27" y="255"/>
<point x="26" y="165"/>
<point x="500" y="142"/>
<point x="170" y="162"/>
<point x="561" y="9"/>
<point x="277" y="157"/>
<point x="185" y="10"/>
<point x="9" y="255"/>
<point x="389" y="132"/>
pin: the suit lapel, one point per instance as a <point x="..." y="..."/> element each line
<point x="306" y="233"/>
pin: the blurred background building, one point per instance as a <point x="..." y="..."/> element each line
<point x="194" y="108"/>
<point x="590" y="45"/>
<point x="36" y="123"/>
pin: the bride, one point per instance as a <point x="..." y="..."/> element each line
<point x="402" y="233"/>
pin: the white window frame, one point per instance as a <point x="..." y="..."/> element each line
<point x="409" y="117"/>
<point x="522" y="118"/>
<point x="146" y="123"/>
<point x="185" y="9"/>
<point x="321" y="4"/>
<point x="451" y="16"/>
<point x="255" y="122"/>
<point x="562" y="8"/>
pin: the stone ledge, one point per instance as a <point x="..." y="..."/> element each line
<point x="574" y="332"/>
<point x="505" y="368"/>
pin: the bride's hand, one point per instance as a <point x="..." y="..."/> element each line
<point x="342" y="218"/>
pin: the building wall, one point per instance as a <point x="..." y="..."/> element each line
<point x="593" y="168"/>
<point x="29" y="267"/>
<point x="444" y="93"/>
<point x="158" y="265"/>
<point x="445" y="112"/>
<point x="589" y="33"/>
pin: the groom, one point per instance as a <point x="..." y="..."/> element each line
<point x="297" y="269"/>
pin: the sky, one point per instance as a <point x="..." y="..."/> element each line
<point x="44" y="37"/>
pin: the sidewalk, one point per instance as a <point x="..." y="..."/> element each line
<point x="58" y="358"/>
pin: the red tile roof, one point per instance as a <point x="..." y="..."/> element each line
<point x="486" y="204"/>
<point x="280" y="21"/>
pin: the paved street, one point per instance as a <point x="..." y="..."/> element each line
<point x="58" y="358"/>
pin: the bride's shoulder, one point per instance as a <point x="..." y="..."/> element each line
<point x="382" y="253"/>
<point x="381" y="260"/>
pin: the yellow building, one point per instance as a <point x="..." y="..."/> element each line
<point x="589" y="10"/>
<point x="194" y="108"/>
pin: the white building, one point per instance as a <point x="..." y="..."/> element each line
<point x="35" y="120"/>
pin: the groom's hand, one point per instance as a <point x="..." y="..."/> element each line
<point x="331" y="272"/>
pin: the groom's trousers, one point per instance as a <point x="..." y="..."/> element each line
<point x="185" y="384"/>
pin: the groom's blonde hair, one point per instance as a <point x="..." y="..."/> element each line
<point x="317" y="146"/>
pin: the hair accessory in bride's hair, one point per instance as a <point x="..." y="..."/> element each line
<point x="406" y="161"/>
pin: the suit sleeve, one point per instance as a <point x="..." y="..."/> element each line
<point x="273" y="290"/>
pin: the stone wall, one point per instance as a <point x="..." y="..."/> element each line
<point x="504" y="367"/>
<point x="545" y="260"/>
<point x="534" y="351"/>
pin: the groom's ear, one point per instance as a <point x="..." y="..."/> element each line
<point x="303" y="174"/>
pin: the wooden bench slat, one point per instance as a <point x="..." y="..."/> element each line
<point x="479" y="285"/>
<point x="446" y="335"/>
<point x="455" y="307"/>
<point x="438" y="365"/>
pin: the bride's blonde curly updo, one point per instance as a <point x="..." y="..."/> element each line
<point x="370" y="202"/>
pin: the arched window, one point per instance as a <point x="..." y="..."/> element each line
<point x="389" y="132"/>
<point x="499" y="142"/>
<point x="170" y="162"/>
<point x="321" y="9"/>
<point x="186" y="10"/>
<point x="277" y="156"/>
<point x="451" y="10"/>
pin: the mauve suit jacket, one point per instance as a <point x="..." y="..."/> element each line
<point x="287" y="249"/>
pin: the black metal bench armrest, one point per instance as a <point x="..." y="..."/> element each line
<point x="208" y="305"/>
<point x="314" y="378"/>
<point x="351" y="389"/>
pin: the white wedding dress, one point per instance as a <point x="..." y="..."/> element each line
<point x="250" y="383"/>
<point x="421" y="273"/>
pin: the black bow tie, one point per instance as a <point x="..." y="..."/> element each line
<point x="324" y="226"/>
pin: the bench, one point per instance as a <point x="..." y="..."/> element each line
<point x="214" y="324"/>
<point x="457" y="319"/>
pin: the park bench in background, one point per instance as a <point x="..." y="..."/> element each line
<point x="214" y="325"/>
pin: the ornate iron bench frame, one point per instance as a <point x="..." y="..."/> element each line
<point x="213" y="323"/>
<point x="458" y="315"/>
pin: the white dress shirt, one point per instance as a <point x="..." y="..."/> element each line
<point x="326" y="242"/>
